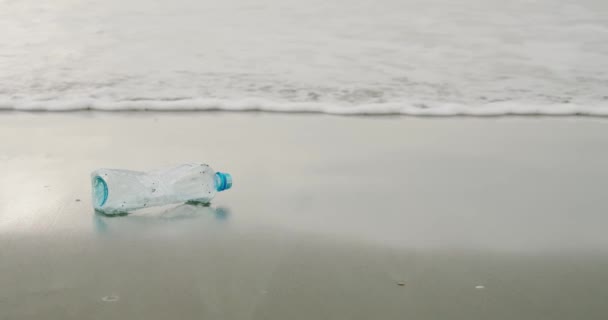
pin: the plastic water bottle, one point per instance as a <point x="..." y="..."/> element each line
<point x="120" y="191"/>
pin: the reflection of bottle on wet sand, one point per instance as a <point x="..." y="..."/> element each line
<point x="186" y="213"/>
<point x="120" y="191"/>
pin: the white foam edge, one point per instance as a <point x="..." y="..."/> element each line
<point x="521" y="108"/>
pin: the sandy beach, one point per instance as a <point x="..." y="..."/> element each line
<point x="405" y="159"/>
<point x="329" y="218"/>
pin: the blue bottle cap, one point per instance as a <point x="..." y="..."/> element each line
<point x="223" y="181"/>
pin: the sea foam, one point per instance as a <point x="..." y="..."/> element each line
<point x="403" y="108"/>
<point x="430" y="58"/>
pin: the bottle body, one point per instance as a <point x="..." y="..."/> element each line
<point x="120" y="191"/>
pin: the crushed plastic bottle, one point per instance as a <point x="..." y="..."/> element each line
<point x="120" y="191"/>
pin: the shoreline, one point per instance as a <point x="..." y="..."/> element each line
<point x="347" y="115"/>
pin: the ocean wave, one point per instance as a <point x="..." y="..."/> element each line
<point x="379" y="57"/>
<point x="409" y="108"/>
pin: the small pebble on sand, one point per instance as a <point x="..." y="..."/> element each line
<point x="111" y="298"/>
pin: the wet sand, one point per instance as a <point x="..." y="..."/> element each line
<point x="329" y="218"/>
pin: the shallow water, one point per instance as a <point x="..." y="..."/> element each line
<point x="384" y="56"/>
